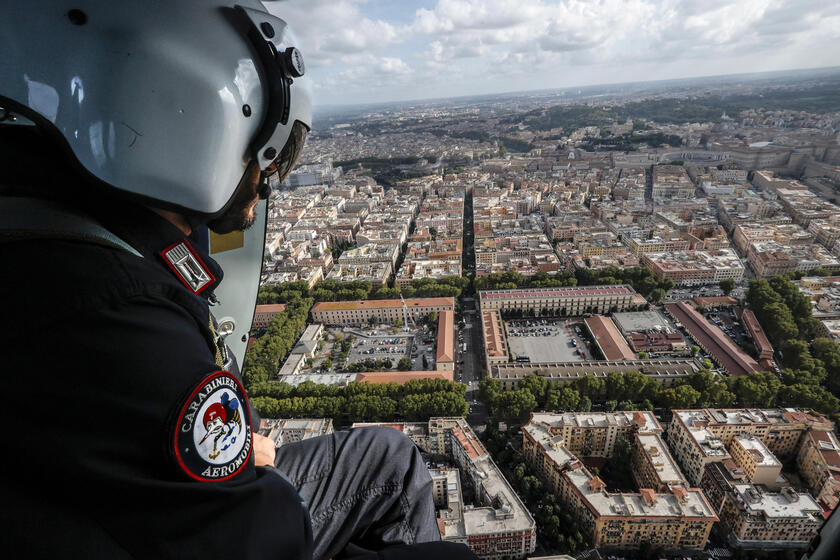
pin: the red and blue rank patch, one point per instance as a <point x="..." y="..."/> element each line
<point x="212" y="438"/>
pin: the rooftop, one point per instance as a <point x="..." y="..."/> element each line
<point x="762" y="456"/>
<point x="644" y="419"/>
<point x="720" y="346"/>
<point x="692" y="502"/>
<point x="657" y="453"/>
<point x="382" y="304"/>
<point x="622" y="289"/>
<point x="609" y="340"/>
<point x="641" y="321"/>
<point x="401" y="377"/>
<point x="445" y="337"/>
<point x="787" y="504"/>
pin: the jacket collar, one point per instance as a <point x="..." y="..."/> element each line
<point x="156" y="238"/>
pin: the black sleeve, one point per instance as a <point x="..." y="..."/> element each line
<point x="107" y="383"/>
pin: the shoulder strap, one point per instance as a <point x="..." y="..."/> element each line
<point x="26" y="218"/>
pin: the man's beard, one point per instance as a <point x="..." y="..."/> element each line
<point x="238" y="217"/>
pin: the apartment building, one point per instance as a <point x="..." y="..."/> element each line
<point x="756" y="518"/>
<point x="695" y="268"/>
<point x="593" y="434"/>
<point x="383" y="310"/>
<point x="757" y="462"/>
<point x="671" y="182"/>
<point x="818" y="463"/>
<point x="653" y="466"/>
<point x="569" y="301"/>
<point x="678" y="518"/>
<point x="289" y="430"/>
<point x="701" y="436"/>
<point x="497" y="526"/>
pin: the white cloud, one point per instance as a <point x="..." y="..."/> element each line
<point x="330" y="30"/>
<point x="476" y="46"/>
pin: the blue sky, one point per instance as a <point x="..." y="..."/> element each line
<point x="361" y="51"/>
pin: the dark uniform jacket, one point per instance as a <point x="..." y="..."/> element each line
<point x="122" y="437"/>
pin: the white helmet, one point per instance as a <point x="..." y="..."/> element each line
<point x="167" y="101"/>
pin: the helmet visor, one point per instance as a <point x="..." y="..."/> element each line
<point x="283" y="164"/>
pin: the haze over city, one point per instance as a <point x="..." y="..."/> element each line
<point x="372" y="51"/>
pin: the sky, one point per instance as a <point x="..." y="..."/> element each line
<point x="366" y="51"/>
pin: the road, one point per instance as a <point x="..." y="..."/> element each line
<point x="470" y="371"/>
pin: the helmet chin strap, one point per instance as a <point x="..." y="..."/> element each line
<point x="265" y="189"/>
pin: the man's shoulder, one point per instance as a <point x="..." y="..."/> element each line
<point x="75" y="276"/>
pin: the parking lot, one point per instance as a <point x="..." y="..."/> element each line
<point x="725" y="319"/>
<point x="546" y="340"/>
<point x="379" y="347"/>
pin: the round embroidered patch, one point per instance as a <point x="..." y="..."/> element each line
<point x="212" y="439"/>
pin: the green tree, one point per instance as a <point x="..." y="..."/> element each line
<point x="562" y="399"/>
<point x="404" y="364"/>
<point x="682" y="396"/>
<point x="537" y="385"/>
<point x="657" y="295"/>
<point x="585" y="404"/>
<point x="727" y="285"/>
<point x="489" y="388"/>
<point x="514" y="406"/>
<point x="327" y="364"/>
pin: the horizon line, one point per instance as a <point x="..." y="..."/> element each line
<point x="609" y="84"/>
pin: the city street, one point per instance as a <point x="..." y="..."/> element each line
<point x="469" y="372"/>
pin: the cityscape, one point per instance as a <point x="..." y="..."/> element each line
<point x="608" y="316"/>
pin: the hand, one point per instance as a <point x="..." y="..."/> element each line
<point x="263" y="451"/>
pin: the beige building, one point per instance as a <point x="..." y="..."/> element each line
<point x="759" y="464"/>
<point x="497" y="526"/>
<point x="666" y="371"/>
<point x="384" y="310"/>
<point x="818" y="462"/>
<point x="678" y="518"/>
<point x="565" y="301"/>
<point x="701" y="436"/>
<point x="263" y="314"/>
<point x="290" y="430"/>
<point x="593" y="434"/>
<point x="653" y="466"/>
<point x="445" y="351"/>
<point x="694" y="268"/>
<point x="759" y="519"/>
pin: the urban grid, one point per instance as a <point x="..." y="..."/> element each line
<point x="609" y="321"/>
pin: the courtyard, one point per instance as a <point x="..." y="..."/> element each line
<point x="547" y="340"/>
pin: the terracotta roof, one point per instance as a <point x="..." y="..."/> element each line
<point x="827" y="446"/>
<point x="596" y="483"/>
<point x="557" y="292"/>
<point x="446" y="337"/>
<point x="648" y="496"/>
<point x="609" y="339"/>
<point x="470" y="447"/>
<point x="402" y="376"/>
<point x="383" y="304"/>
<point x="757" y="333"/>
<point x="715" y="301"/>
<point x="494" y="335"/>
<point x="270" y="308"/>
<point x="724" y="350"/>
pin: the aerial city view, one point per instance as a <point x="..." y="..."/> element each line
<point x="609" y="317"/>
<point x="420" y="279"/>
